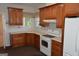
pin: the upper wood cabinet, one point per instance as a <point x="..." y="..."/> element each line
<point x="60" y="14"/>
<point x="55" y="12"/>
<point x="72" y="9"/>
<point x="46" y="13"/>
<point x="42" y="16"/>
<point x="15" y="16"/>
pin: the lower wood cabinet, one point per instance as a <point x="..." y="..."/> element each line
<point x="17" y="40"/>
<point x="25" y="39"/>
<point x="37" y="41"/>
<point x="32" y="39"/>
<point x="56" y="48"/>
<point x="29" y="39"/>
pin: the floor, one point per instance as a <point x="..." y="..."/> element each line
<point x="23" y="51"/>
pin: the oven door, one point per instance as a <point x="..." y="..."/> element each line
<point x="45" y="45"/>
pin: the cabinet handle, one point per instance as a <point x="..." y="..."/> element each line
<point x="76" y="43"/>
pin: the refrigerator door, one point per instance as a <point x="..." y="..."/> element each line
<point x="70" y="36"/>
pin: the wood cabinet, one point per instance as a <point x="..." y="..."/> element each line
<point x="42" y="15"/>
<point x="71" y="9"/>
<point x="1" y="32"/>
<point x="15" y="16"/>
<point x="17" y="40"/>
<point x="32" y="39"/>
<point x="37" y="41"/>
<point x="55" y="12"/>
<point x="47" y="13"/>
<point x="60" y="16"/>
<point x="29" y="39"/>
<point x="56" y="48"/>
<point x="25" y="39"/>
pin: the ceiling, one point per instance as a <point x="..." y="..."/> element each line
<point x="32" y="6"/>
<point x="37" y="5"/>
<point x="28" y="7"/>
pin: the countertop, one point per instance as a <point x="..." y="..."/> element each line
<point x="39" y="33"/>
<point x="57" y="39"/>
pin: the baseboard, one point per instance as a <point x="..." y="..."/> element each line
<point x="43" y="54"/>
<point x="1" y="48"/>
<point x="8" y="47"/>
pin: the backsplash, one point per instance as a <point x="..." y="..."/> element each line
<point x="18" y="28"/>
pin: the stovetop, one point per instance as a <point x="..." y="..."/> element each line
<point x="50" y="36"/>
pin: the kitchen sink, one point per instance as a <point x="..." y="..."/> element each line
<point x="50" y="36"/>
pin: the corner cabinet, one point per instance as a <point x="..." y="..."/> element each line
<point x="55" y="11"/>
<point x="60" y="16"/>
<point x="15" y="16"/>
<point x="37" y="41"/>
<point x="29" y="39"/>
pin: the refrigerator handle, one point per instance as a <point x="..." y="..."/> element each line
<point x="76" y="44"/>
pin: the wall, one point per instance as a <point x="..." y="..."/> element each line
<point x="5" y="26"/>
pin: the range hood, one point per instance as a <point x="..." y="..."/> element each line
<point x="50" y="20"/>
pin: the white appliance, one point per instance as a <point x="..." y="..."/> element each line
<point x="45" y="45"/>
<point x="71" y="37"/>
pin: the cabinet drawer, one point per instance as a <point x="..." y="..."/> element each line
<point x="56" y="48"/>
<point x="17" y="35"/>
<point x="19" y="44"/>
<point x="18" y="40"/>
<point x="56" y="43"/>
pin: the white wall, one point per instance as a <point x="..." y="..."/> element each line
<point x="5" y="26"/>
<point x="24" y="7"/>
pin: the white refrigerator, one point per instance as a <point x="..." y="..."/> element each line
<point x="71" y="37"/>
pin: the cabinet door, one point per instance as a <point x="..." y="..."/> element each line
<point x="60" y="16"/>
<point x="37" y="41"/>
<point x="15" y="16"/>
<point x="43" y="16"/>
<point x="56" y="48"/>
<point x="12" y="16"/>
<point x="47" y="13"/>
<point x="72" y="9"/>
<point x="17" y="40"/>
<point x="19" y="14"/>
<point x="53" y="12"/>
<point x="29" y="39"/>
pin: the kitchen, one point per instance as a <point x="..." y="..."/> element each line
<point x="33" y="25"/>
